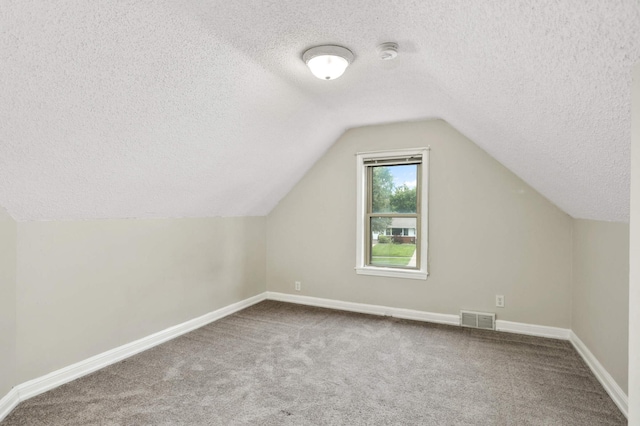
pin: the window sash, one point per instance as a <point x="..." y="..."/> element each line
<point x="368" y="242"/>
<point x="361" y="267"/>
<point x="369" y="164"/>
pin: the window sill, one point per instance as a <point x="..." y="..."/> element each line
<point x="393" y="273"/>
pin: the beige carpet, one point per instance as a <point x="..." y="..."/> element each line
<point x="283" y="364"/>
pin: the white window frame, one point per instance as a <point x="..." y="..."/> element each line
<point x="361" y="238"/>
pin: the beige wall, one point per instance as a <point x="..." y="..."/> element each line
<point x="7" y="302"/>
<point x="87" y="287"/>
<point x="634" y="257"/>
<point x="490" y="233"/>
<point x="600" y="308"/>
<point x="70" y="290"/>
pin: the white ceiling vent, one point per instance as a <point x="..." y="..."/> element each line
<point x="484" y="320"/>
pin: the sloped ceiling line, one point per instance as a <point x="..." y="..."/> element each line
<point x="204" y="108"/>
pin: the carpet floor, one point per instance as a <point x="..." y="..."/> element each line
<point x="283" y="364"/>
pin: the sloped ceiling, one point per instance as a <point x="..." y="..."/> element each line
<point x="204" y="108"/>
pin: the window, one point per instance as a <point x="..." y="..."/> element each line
<point x="392" y="213"/>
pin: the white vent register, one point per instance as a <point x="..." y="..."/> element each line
<point x="484" y="320"/>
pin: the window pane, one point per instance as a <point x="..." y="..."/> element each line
<point x="393" y="189"/>
<point x="388" y="246"/>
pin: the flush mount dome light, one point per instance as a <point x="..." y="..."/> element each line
<point x="327" y="62"/>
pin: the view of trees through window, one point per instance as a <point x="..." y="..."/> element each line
<point x="393" y="224"/>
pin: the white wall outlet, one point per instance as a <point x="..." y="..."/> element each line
<point x="298" y="285"/>
<point x="499" y="301"/>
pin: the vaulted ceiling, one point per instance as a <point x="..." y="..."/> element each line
<point x="205" y="108"/>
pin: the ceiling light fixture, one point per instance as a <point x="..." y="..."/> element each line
<point x="327" y="62"/>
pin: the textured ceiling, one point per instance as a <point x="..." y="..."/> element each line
<point x="204" y="108"/>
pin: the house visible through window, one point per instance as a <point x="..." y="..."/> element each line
<point x="392" y="213"/>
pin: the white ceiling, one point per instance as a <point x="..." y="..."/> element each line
<point x="204" y="108"/>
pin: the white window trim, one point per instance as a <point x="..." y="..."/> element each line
<point x="361" y="179"/>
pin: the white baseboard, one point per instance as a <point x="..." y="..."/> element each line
<point x="64" y="375"/>
<point x="365" y="308"/>
<point x="533" y="330"/>
<point x="59" y="377"/>
<point x="501" y="325"/>
<point x="8" y="403"/>
<point x="615" y="392"/>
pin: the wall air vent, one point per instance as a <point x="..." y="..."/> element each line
<point x="483" y="320"/>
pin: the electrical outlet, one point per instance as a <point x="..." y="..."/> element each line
<point x="298" y="285"/>
<point x="499" y="301"/>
